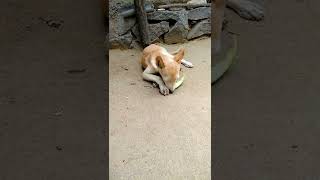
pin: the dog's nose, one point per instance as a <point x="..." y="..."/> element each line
<point x="171" y="89"/>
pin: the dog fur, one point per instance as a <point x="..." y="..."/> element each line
<point x="157" y="60"/>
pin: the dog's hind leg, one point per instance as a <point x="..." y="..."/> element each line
<point x="149" y="76"/>
<point x="186" y="63"/>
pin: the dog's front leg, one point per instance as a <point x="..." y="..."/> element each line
<point x="149" y="76"/>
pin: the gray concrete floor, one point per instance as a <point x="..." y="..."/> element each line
<point x="155" y="137"/>
<point x="266" y="110"/>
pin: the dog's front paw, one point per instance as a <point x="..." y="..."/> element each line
<point x="164" y="90"/>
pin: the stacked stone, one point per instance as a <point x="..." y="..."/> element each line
<point x="173" y="25"/>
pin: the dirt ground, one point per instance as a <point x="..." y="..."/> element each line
<point x="154" y="136"/>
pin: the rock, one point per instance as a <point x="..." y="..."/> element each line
<point x="121" y="26"/>
<point x="130" y="10"/>
<point x="201" y="28"/>
<point x="116" y="5"/>
<point x="176" y="8"/>
<point x="199" y="13"/>
<point x="135" y="32"/>
<point x="135" y="45"/>
<point x="192" y="23"/>
<point x="122" y="42"/>
<point x="155" y="30"/>
<point x="117" y="24"/>
<point x="177" y="34"/>
<point x="128" y="23"/>
<point x="179" y="16"/>
<point x="161" y="2"/>
<point x="197" y="2"/>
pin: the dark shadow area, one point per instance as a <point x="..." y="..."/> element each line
<point x="266" y="110"/>
<point x="53" y="78"/>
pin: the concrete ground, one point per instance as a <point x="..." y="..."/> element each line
<point x="266" y="110"/>
<point x="154" y="136"/>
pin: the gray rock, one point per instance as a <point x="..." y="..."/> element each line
<point x="115" y="6"/>
<point x="179" y="16"/>
<point x="128" y="24"/>
<point x="122" y="42"/>
<point x="135" y="32"/>
<point x="155" y="30"/>
<point x="197" y="2"/>
<point x="117" y="24"/>
<point x="176" y="8"/>
<point x="121" y="26"/>
<point x="112" y="32"/>
<point x="130" y="10"/>
<point x="199" y="13"/>
<point x="161" y="2"/>
<point x="201" y="28"/>
<point x="177" y="34"/>
<point x="135" y="45"/>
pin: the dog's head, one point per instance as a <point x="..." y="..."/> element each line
<point x="170" y="68"/>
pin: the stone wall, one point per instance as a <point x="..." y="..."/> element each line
<point x="173" y="25"/>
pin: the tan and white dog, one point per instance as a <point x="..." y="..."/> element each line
<point x="157" y="60"/>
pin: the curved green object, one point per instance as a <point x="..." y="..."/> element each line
<point x="220" y="68"/>
<point x="179" y="82"/>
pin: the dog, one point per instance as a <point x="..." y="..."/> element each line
<point x="157" y="60"/>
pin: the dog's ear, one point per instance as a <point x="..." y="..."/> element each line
<point x="160" y="62"/>
<point x="179" y="56"/>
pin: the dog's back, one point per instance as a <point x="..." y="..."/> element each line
<point x="149" y="54"/>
